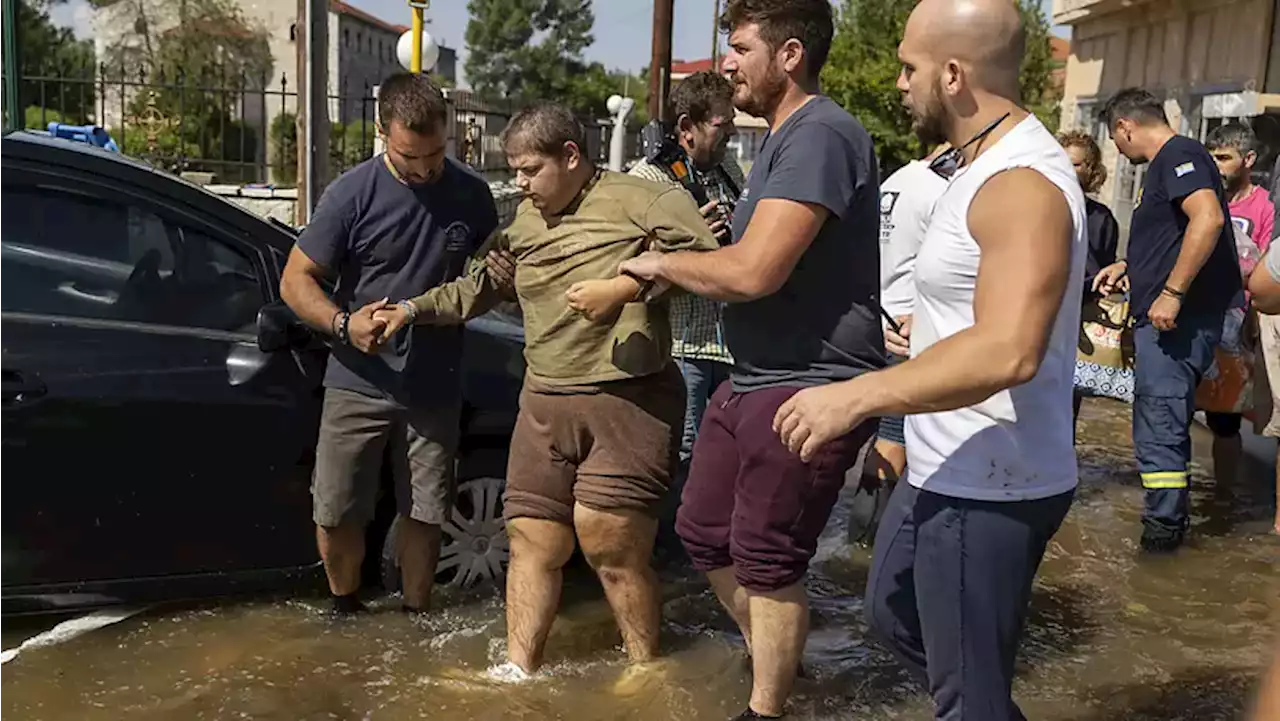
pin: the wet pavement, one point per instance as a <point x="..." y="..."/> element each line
<point x="1113" y="636"/>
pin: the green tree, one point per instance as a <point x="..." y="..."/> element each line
<point x="65" y="64"/>
<point x="526" y="50"/>
<point x="862" y="70"/>
<point x="196" y="57"/>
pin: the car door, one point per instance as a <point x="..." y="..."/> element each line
<point x="144" y="434"/>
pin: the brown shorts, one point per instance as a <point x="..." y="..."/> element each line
<point x="610" y="446"/>
<point x="357" y="433"/>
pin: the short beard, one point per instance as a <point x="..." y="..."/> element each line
<point x="930" y="122"/>
<point x="763" y="99"/>
<point x="1235" y="183"/>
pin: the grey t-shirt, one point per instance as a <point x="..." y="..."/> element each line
<point x="823" y="325"/>
<point x="386" y="239"/>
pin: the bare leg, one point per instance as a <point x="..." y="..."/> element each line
<point x="1226" y="460"/>
<point x="539" y="550"/>
<point x="342" y="550"/>
<point x="619" y="546"/>
<point x="780" y="624"/>
<point x="418" y="550"/>
<point x="734" y="599"/>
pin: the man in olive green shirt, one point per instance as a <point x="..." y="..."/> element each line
<point x="602" y="408"/>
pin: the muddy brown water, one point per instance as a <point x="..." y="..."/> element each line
<point x="1112" y="636"/>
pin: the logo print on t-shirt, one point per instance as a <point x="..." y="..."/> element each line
<point x="1187" y="167"/>
<point x="888" y="199"/>
<point x="1244" y="224"/>
<point x="456" y="235"/>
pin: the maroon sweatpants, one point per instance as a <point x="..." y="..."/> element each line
<point x="752" y="504"/>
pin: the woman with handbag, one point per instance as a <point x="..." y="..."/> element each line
<point x="1103" y="367"/>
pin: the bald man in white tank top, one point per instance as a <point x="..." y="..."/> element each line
<point x="991" y="467"/>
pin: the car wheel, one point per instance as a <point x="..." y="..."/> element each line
<point x="473" y="547"/>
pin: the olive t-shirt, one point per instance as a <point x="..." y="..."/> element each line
<point x="614" y="218"/>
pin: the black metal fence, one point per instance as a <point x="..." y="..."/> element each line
<point x="243" y="130"/>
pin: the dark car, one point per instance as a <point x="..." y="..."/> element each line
<point x="160" y="404"/>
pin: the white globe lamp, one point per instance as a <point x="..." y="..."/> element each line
<point x="430" y="51"/>
<point x="614" y="104"/>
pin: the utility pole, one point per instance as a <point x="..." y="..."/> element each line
<point x="715" y="36"/>
<point x="313" y="105"/>
<point x="660" y="62"/>
<point x="12" y="69"/>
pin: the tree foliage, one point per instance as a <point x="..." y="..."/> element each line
<point x="862" y="70"/>
<point x="52" y="52"/>
<point x="196" y="58"/>
<point x="526" y="50"/>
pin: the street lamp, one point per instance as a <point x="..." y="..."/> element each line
<point x="426" y="57"/>
<point x="415" y="45"/>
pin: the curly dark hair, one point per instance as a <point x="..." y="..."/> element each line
<point x="413" y="100"/>
<point x="1095" y="174"/>
<point x="812" y="22"/>
<point x="702" y="95"/>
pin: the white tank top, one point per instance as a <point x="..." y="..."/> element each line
<point x="1017" y="444"/>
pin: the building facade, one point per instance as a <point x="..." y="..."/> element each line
<point x="361" y="54"/>
<point x="1212" y="61"/>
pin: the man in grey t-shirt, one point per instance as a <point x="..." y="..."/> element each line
<point x="802" y="282"/>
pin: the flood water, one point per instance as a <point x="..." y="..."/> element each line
<point x="1113" y="636"/>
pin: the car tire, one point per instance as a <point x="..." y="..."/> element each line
<point x="473" y="548"/>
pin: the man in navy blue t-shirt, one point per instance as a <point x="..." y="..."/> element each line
<point x="1183" y="276"/>
<point x="392" y="227"/>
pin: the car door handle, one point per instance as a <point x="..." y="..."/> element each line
<point x="20" y="387"/>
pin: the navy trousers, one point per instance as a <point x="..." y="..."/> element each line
<point x="949" y="590"/>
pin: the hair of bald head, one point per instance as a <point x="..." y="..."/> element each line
<point x="987" y="36"/>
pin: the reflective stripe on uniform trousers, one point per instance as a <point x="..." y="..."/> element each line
<point x="1164" y="479"/>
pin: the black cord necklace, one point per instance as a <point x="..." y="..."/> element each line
<point x="948" y="163"/>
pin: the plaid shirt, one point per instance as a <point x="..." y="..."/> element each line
<point x="695" y="321"/>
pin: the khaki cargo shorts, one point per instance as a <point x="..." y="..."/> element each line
<point x="611" y="447"/>
<point x="358" y="433"/>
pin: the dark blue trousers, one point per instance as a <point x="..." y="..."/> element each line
<point x="949" y="590"/>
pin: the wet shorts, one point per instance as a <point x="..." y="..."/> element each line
<point x="357" y="433"/>
<point x="892" y="428"/>
<point x="609" y="446"/>
<point x="752" y="504"/>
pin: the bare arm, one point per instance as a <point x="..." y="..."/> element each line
<point x="300" y="289"/>
<point x="1204" y="226"/>
<point x="754" y="267"/>
<point x="1264" y="287"/>
<point x="1021" y="280"/>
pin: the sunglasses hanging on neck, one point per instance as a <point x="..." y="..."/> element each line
<point x="948" y="163"/>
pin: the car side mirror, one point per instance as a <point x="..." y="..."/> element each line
<point x="279" y="328"/>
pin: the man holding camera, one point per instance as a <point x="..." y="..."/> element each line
<point x="696" y="159"/>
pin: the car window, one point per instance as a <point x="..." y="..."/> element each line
<point x="78" y="255"/>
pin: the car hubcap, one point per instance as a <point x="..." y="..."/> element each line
<point x="474" y="546"/>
